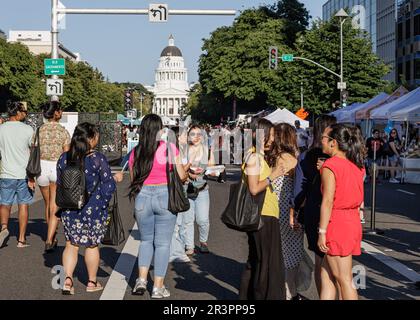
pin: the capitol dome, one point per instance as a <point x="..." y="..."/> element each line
<point x="171" y="50"/>
<point x="171" y="83"/>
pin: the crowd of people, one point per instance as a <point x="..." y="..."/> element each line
<point x="314" y="189"/>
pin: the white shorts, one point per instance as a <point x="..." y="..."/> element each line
<point x="48" y="173"/>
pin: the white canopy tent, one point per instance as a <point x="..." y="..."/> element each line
<point x="410" y="114"/>
<point x="350" y="115"/>
<point x="285" y="116"/>
<point x="340" y="113"/>
<point x="384" y="112"/>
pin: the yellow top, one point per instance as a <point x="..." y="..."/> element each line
<point x="271" y="202"/>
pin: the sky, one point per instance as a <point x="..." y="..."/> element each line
<point x="127" y="48"/>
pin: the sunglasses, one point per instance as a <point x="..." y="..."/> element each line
<point x="194" y="134"/>
<point x="327" y="137"/>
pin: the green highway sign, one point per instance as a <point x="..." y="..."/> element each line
<point x="287" y="58"/>
<point x="54" y="67"/>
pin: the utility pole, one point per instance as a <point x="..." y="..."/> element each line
<point x="301" y="94"/>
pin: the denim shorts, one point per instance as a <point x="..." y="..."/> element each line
<point x="393" y="158"/>
<point x="15" y="189"/>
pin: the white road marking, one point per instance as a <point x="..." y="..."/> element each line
<point x="116" y="286"/>
<point x="391" y="262"/>
<point x="406" y="192"/>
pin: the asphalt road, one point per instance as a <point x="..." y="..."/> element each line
<point x="27" y="273"/>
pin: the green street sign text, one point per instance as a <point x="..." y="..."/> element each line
<point x="287" y="57"/>
<point x="54" y="67"/>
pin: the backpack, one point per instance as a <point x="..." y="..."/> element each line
<point x="71" y="192"/>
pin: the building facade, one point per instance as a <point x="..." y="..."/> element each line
<point x="408" y="42"/>
<point x="39" y="42"/>
<point x="379" y="22"/>
<point x="171" y="83"/>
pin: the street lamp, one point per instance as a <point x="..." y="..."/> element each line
<point x="142" y="95"/>
<point x="342" y="14"/>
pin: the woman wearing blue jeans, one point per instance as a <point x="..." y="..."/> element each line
<point x="149" y="187"/>
<point x="198" y="159"/>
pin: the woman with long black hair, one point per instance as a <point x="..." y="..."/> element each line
<point x="86" y="227"/>
<point x="149" y="187"/>
<point x="264" y="276"/>
<point x="54" y="139"/>
<point x="340" y="229"/>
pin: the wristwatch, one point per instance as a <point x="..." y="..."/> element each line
<point x="270" y="182"/>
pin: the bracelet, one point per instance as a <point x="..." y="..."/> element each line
<point x="322" y="231"/>
<point x="270" y="182"/>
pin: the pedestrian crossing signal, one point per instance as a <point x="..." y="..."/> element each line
<point x="273" y="56"/>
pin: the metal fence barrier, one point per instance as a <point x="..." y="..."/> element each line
<point x="376" y="168"/>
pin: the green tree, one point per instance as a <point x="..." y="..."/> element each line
<point x="234" y="64"/>
<point x="295" y="15"/>
<point x="363" y="70"/>
<point x="19" y="76"/>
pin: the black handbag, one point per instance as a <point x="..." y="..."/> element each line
<point x="115" y="234"/>
<point x="243" y="212"/>
<point x="178" y="201"/>
<point x="33" y="169"/>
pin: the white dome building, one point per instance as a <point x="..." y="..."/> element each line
<point x="171" y="83"/>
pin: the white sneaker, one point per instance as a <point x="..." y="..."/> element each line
<point x="3" y="236"/>
<point x="182" y="259"/>
<point x="159" y="293"/>
<point x="393" y="180"/>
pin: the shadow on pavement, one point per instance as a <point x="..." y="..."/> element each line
<point x="223" y="269"/>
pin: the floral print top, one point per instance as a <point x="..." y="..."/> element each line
<point x="52" y="138"/>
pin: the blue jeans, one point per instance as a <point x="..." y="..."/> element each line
<point x="178" y="241"/>
<point x="156" y="226"/>
<point x="15" y="189"/>
<point x="199" y="211"/>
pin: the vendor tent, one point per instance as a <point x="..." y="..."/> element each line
<point x="364" y="113"/>
<point x="386" y="110"/>
<point x="285" y="116"/>
<point x="340" y="112"/>
<point x="350" y="115"/>
<point x="410" y="113"/>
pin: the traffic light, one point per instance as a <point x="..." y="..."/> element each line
<point x="273" y="56"/>
<point x="344" y="96"/>
<point x="128" y="99"/>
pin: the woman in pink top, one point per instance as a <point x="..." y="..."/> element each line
<point x="149" y="188"/>
<point x="340" y="229"/>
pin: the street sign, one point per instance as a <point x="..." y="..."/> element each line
<point x="341" y="85"/>
<point x="55" y="87"/>
<point x="54" y="67"/>
<point x="132" y="114"/>
<point x="158" y="12"/>
<point x="287" y="58"/>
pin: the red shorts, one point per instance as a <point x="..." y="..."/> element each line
<point x="344" y="233"/>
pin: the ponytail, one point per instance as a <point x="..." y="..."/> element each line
<point x="350" y="141"/>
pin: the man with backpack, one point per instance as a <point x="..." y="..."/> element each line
<point x="15" y="141"/>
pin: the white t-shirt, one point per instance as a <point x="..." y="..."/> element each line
<point x="15" y="141"/>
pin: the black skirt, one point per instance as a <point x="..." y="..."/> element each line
<point x="264" y="275"/>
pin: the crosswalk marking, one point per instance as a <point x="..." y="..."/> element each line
<point x="116" y="286"/>
<point x="391" y="262"/>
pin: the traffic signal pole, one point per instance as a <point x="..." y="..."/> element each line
<point x="55" y="11"/>
<point x="54" y="37"/>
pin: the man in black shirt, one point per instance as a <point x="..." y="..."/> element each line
<point x="374" y="143"/>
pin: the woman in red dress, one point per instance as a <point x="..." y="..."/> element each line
<point x="340" y="229"/>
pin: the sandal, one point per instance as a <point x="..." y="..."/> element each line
<point x="23" y="244"/>
<point x="68" y="290"/>
<point x="97" y="286"/>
